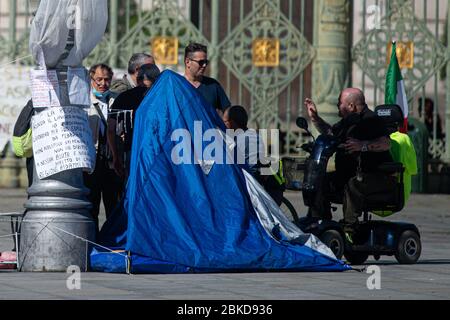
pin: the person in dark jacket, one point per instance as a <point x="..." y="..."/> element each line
<point x="121" y="119"/>
<point x="22" y="140"/>
<point x="195" y="63"/>
<point x="129" y="81"/>
<point x="365" y="146"/>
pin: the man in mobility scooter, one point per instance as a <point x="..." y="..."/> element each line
<point x="366" y="179"/>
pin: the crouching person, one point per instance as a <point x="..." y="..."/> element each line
<point x="251" y="148"/>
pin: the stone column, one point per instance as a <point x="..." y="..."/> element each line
<point x="332" y="65"/>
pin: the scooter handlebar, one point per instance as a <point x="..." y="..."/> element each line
<point x="308" y="147"/>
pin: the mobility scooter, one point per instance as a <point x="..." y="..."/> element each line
<point x="373" y="237"/>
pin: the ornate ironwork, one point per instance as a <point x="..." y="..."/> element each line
<point x="402" y="25"/>
<point x="436" y="148"/>
<point x="266" y="83"/>
<point x="266" y="52"/>
<point x="17" y="51"/>
<point x="164" y="20"/>
<point x="4" y="48"/>
<point x="405" y="54"/>
<point x="165" y="50"/>
<point x="101" y="53"/>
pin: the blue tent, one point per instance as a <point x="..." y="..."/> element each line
<point x="179" y="218"/>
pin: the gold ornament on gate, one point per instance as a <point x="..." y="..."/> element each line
<point x="405" y="54"/>
<point x="266" y="52"/>
<point x="165" y="50"/>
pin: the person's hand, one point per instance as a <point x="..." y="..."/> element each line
<point x="311" y="109"/>
<point x="118" y="167"/>
<point x="353" y="145"/>
<point x="220" y="113"/>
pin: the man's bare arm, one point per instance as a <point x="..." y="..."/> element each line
<point x="321" y="125"/>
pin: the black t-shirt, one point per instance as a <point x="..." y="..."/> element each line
<point x="124" y="109"/>
<point x="213" y="92"/>
<point x="362" y="126"/>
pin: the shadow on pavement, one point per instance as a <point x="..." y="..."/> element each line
<point x="425" y="262"/>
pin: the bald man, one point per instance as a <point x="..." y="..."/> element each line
<point x="364" y="137"/>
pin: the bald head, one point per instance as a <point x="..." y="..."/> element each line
<point x="354" y="95"/>
<point x="351" y="100"/>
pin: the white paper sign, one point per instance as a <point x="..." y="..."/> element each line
<point x="44" y="88"/>
<point x="14" y="94"/>
<point x="79" y="86"/>
<point x="62" y="141"/>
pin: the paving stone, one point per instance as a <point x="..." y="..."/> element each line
<point x="428" y="279"/>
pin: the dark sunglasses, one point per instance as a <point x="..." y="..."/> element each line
<point x="201" y="62"/>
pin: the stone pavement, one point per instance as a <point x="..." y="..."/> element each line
<point x="428" y="279"/>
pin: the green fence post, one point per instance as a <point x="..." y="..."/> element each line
<point x="113" y="27"/>
<point x="214" y="38"/>
<point x="12" y="27"/>
<point x="419" y="136"/>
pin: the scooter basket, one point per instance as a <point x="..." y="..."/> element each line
<point x="293" y="171"/>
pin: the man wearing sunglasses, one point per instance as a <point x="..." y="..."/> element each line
<point x="195" y="62"/>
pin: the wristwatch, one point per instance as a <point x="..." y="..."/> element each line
<point x="364" y="147"/>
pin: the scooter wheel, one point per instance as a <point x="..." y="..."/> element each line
<point x="333" y="240"/>
<point x="409" y="248"/>
<point x="356" y="257"/>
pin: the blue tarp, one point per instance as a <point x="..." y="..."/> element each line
<point x="177" y="218"/>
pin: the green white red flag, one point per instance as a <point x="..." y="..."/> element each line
<point x="395" y="87"/>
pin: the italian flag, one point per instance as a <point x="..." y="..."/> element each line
<point x="395" y="87"/>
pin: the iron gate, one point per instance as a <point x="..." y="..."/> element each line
<point x="261" y="50"/>
<point x="420" y="28"/>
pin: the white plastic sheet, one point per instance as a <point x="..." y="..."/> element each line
<point x="89" y="31"/>
<point x="272" y="217"/>
<point x="53" y="21"/>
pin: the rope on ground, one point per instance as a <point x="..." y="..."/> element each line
<point x="65" y="231"/>
<point x="39" y="221"/>
<point x="10" y="235"/>
<point x="14" y="214"/>
<point x="83" y="239"/>
<point x="359" y="269"/>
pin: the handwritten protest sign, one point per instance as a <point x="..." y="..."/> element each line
<point x="62" y="141"/>
<point x="44" y="88"/>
